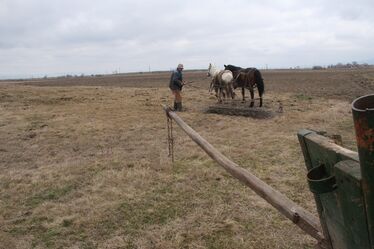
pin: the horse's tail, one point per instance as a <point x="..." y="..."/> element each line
<point x="259" y="82"/>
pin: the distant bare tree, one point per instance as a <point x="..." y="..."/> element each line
<point x="354" y="64"/>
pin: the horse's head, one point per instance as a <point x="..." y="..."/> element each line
<point x="209" y="69"/>
<point x="232" y="68"/>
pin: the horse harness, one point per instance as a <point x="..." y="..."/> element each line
<point x="250" y="73"/>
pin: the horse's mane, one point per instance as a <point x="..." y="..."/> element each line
<point x="232" y="67"/>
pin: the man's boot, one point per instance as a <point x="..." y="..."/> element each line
<point x="175" y="106"/>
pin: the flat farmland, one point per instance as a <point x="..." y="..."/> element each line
<point x="84" y="160"/>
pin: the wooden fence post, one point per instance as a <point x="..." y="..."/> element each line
<point x="301" y="217"/>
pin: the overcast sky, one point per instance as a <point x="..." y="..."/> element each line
<point x="57" y="37"/>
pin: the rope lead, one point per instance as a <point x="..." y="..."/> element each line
<point x="170" y="137"/>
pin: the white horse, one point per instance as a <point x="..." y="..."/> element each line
<point x="222" y="81"/>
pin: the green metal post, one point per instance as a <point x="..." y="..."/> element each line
<point x="363" y="116"/>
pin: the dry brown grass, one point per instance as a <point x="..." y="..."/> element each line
<point x="87" y="167"/>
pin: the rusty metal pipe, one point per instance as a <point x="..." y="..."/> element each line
<point x="363" y="118"/>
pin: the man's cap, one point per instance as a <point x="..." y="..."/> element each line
<point x="180" y="66"/>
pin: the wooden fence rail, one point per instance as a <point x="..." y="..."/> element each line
<point x="301" y="217"/>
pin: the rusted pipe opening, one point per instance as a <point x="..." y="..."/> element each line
<point x="364" y="103"/>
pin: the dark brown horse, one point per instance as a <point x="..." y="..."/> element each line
<point x="249" y="78"/>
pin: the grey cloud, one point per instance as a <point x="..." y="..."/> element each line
<point x="59" y="36"/>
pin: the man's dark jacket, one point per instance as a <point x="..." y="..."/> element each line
<point x="176" y="80"/>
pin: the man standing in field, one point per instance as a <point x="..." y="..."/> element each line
<point x="176" y="85"/>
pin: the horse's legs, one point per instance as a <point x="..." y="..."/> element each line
<point x="243" y="94"/>
<point x="252" y="97"/>
<point x="217" y="93"/>
<point x="225" y="93"/>
<point x="231" y="91"/>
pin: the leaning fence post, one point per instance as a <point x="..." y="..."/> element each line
<point x="301" y="217"/>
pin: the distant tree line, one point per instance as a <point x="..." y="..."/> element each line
<point x="353" y="64"/>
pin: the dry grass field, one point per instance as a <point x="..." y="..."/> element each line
<point x="84" y="161"/>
